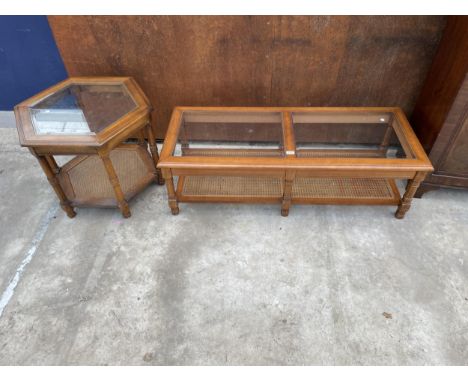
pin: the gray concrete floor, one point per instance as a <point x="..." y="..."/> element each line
<point x="228" y="284"/>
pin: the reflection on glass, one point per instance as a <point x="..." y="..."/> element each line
<point x="346" y="134"/>
<point x="81" y="109"/>
<point x="218" y="133"/>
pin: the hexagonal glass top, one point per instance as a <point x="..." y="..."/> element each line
<point x="81" y="109"/>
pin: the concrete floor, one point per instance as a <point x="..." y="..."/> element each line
<point x="228" y="284"/>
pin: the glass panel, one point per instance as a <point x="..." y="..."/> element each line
<point x="224" y="133"/>
<point x="81" y="109"/>
<point x="347" y="134"/>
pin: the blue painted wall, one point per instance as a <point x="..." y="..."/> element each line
<point x="29" y="58"/>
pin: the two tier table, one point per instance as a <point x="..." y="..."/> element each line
<point x="105" y="123"/>
<point x="292" y="156"/>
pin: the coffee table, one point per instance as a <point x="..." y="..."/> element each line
<point x="106" y="123"/>
<point x="291" y="156"/>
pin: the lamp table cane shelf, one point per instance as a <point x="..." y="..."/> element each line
<point x="292" y="156"/>
<point x="106" y="123"/>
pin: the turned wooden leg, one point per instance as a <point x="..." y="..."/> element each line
<point x="51" y="174"/>
<point x="154" y="154"/>
<point x="119" y="195"/>
<point x="52" y="164"/>
<point x="287" y="191"/>
<point x="184" y="142"/>
<point x="171" y="194"/>
<point x="183" y="148"/>
<point x="142" y="139"/>
<point x="386" y="138"/>
<point x="411" y="188"/>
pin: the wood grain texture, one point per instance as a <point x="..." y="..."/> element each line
<point x="240" y="177"/>
<point x="441" y="114"/>
<point x="255" y="60"/>
<point x="443" y="81"/>
<point x="88" y="177"/>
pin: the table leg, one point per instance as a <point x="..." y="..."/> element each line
<point x="142" y="139"/>
<point x="411" y="189"/>
<point x="51" y="174"/>
<point x="122" y="203"/>
<point x="287" y="193"/>
<point x="171" y="194"/>
<point x="154" y="154"/>
<point x="386" y="141"/>
<point x="386" y="138"/>
<point x="184" y="143"/>
<point x="53" y="164"/>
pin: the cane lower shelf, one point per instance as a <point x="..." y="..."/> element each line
<point x="231" y="189"/>
<point x="96" y="119"/>
<point x="291" y="156"/>
<point x="132" y="164"/>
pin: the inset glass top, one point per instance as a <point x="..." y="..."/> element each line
<point x="225" y="133"/>
<point x="314" y="133"/>
<point x="81" y="109"/>
<point x="353" y="134"/>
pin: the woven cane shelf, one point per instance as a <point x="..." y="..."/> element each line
<point x="345" y="191"/>
<point x="95" y="120"/>
<point x="270" y="190"/>
<point x="301" y="153"/>
<point x="85" y="182"/>
<point x="291" y="155"/>
<point x="232" y="152"/>
<point x="329" y="153"/>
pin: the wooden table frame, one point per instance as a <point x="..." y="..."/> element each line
<point x="289" y="167"/>
<point x="135" y="124"/>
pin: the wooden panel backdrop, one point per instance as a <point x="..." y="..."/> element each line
<point x="256" y="60"/>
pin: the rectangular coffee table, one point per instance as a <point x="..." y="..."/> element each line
<point x="291" y="155"/>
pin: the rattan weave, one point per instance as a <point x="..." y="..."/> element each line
<point x="342" y="188"/>
<point x="89" y="179"/>
<point x="232" y="186"/>
<point x="308" y="188"/>
<point x="302" y="153"/>
<point x="339" y="154"/>
<point x="233" y="153"/>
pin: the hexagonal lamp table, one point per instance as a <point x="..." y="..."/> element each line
<point x="106" y="123"/>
